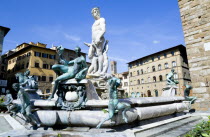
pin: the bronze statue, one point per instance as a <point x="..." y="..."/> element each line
<point x="25" y="104"/>
<point x="187" y="93"/>
<point x="114" y="104"/>
<point x="8" y="100"/>
<point x="170" y="78"/>
<point x="76" y="68"/>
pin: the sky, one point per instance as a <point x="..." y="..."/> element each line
<point x="134" y="28"/>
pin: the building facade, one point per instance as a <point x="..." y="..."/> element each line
<point x="195" y="16"/>
<point x="124" y="77"/>
<point x="113" y="67"/>
<point x="3" y="81"/>
<point x="147" y="75"/>
<point x="3" y="33"/>
<point x="39" y="60"/>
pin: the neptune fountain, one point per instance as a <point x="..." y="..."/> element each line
<point x="78" y="104"/>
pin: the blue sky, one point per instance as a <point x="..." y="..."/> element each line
<point x="135" y="28"/>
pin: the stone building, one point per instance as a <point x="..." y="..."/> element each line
<point x="123" y="88"/>
<point x="124" y="82"/>
<point x="39" y="60"/>
<point x="113" y="67"/>
<point x="147" y="75"/>
<point x="3" y="81"/>
<point x="3" y="65"/>
<point x="3" y="33"/>
<point x="195" y="15"/>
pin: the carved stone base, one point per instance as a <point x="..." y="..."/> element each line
<point x="73" y="94"/>
<point x="100" y="87"/>
<point x="169" y="91"/>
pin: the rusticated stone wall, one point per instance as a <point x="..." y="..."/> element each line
<point x="195" y="15"/>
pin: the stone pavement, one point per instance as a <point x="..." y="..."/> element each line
<point x="172" y="127"/>
<point x="5" y="126"/>
<point x="8" y="124"/>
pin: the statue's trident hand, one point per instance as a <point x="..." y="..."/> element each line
<point x="89" y="45"/>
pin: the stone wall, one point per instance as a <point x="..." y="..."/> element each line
<point x="195" y="15"/>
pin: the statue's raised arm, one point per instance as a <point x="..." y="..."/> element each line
<point x="60" y="51"/>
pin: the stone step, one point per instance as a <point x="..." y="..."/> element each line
<point x="168" y="127"/>
<point x="180" y="131"/>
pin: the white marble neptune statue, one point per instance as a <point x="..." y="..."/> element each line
<point x="98" y="47"/>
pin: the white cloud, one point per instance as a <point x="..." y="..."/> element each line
<point x="118" y="59"/>
<point x="11" y="41"/>
<point x="71" y="37"/>
<point x="155" y="42"/>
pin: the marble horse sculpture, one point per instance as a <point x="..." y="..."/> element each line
<point x="114" y="105"/>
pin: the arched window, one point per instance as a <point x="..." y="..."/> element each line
<point x="174" y="64"/>
<point x="138" y="81"/>
<point x="153" y="68"/>
<point x="159" y="67"/>
<point x="161" y="78"/>
<point x="166" y="65"/>
<point x="148" y="69"/>
<point x="138" y="94"/>
<point x="142" y="72"/>
<point x="149" y="79"/>
<point x="131" y="74"/>
<point x="126" y="94"/>
<point x="154" y="79"/>
<point x="156" y="92"/>
<point x="133" y="94"/>
<point x="149" y="93"/>
<point x="175" y="76"/>
<point x="142" y="81"/>
<point x="138" y="72"/>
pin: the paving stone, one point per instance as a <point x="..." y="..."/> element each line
<point x="5" y="126"/>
